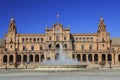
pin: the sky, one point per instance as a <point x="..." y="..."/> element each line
<point x="82" y="16"/>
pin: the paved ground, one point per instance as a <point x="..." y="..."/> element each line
<point x="75" y="75"/>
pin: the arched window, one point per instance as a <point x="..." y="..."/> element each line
<point x="5" y="58"/>
<point x="25" y="58"/>
<point x="109" y="57"/>
<point x="31" y="58"/>
<point x="103" y="57"/>
<point x="84" y="57"/>
<point x="90" y="57"/>
<point x="96" y="57"/>
<point x="11" y="58"/>
<point x="36" y="58"/>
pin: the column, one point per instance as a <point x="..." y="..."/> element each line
<point x="106" y="58"/>
<point x="21" y="59"/>
<point x="92" y="58"/>
<point x="86" y="57"/>
<point x="80" y="57"/>
<point x="33" y="58"/>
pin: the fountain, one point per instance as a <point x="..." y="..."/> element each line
<point x="63" y="63"/>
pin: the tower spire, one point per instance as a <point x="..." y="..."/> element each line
<point x="102" y="26"/>
<point x="12" y="25"/>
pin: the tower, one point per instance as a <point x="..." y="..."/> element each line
<point x="103" y="36"/>
<point x="11" y="35"/>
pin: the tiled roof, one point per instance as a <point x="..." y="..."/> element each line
<point x="1" y="42"/>
<point x="115" y="41"/>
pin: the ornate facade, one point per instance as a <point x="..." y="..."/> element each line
<point x="29" y="50"/>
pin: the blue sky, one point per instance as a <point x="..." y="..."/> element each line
<point x="32" y="16"/>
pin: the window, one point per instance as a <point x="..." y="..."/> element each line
<point x="22" y="40"/>
<point x="50" y="38"/>
<point x="82" y="47"/>
<point x="26" y="40"/>
<point x="42" y="40"/>
<point x="103" y="40"/>
<point x="38" y="39"/>
<point x="102" y="45"/>
<point x="64" y="38"/>
<point x="87" y="39"/>
<point x="30" y="40"/>
<point x="23" y="48"/>
<point x="34" y="40"/>
<point x="91" y="39"/>
<point x="32" y="47"/>
<point x="80" y="39"/>
<point x="90" y="47"/>
<point x="84" y="39"/>
<point x="41" y="48"/>
<point x="10" y="46"/>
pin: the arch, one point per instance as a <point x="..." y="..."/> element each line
<point x="50" y="46"/>
<point x="5" y="58"/>
<point x="84" y="57"/>
<point x="103" y="57"/>
<point x="109" y="57"/>
<point x="11" y="58"/>
<point x="90" y="57"/>
<point x="96" y="57"/>
<point x="30" y="58"/>
<point x="57" y="46"/>
<point x="78" y="57"/>
<point x="24" y="58"/>
<point x="19" y="58"/>
<point x="42" y="57"/>
<point x="119" y="57"/>
<point x="73" y="56"/>
<point x="37" y="58"/>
